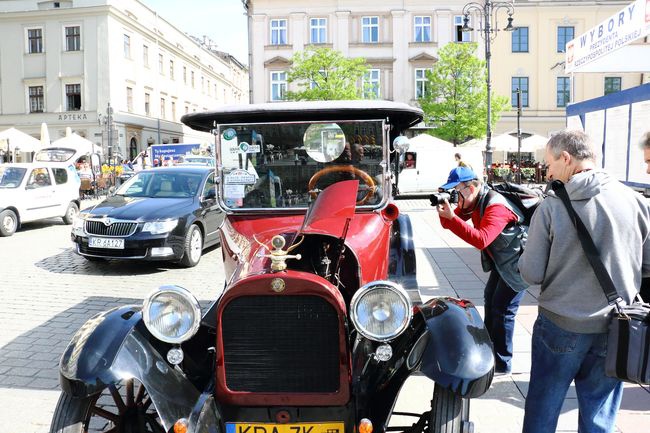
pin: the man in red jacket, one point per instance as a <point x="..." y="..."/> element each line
<point x="496" y="230"/>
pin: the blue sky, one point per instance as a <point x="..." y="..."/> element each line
<point x="223" y="21"/>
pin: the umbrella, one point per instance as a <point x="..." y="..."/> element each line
<point x="77" y="142"/>
<point x="20" y="140"/>
<point x="45" y="136"/>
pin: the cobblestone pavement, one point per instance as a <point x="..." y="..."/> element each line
<point x="48" y="292"/>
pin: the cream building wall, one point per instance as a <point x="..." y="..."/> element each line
<point x="105" y="71"/>
<point x="397" y="55"/>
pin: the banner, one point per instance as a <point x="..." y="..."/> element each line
<point x="622" y="28"/>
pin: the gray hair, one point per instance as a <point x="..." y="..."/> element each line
<point x="645" y="140"/>
<point x="575" y="143"/>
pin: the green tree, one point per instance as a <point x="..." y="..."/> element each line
<point x="455" y="97"/>
<point x="325" y="74"/>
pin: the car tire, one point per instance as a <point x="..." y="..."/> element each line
<point x="71" y="213"/>
<point x="8" y="222"/>
<point x="449" y="412"/>
<point x="193" y="247"/>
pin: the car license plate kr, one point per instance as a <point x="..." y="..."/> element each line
<point x="323" y="427"/>
<point x="110" y="243"/>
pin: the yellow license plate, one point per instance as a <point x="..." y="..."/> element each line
<point x="323" y="427"/>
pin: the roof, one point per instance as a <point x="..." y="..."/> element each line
<point x="399" y="114"/>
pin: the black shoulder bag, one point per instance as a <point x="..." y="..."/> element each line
<point x="628" y="339"/>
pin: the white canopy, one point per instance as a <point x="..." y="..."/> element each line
<point x="77" y="142"/>
<point x="20" y="140"/>
<point x="430" y="140"/>
<point x="508" y="142"/>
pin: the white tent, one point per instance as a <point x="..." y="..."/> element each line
<point x="20" y="140"/>
<point x="78" y="143"/>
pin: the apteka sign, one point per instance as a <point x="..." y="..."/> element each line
<point x="631" y="23"/>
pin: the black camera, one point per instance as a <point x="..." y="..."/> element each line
<point x="439" y="197"/>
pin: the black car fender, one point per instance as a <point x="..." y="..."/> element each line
<point x="115" y="346"/>
<point x="402" y="269"/>
<point x="459" y="353"/>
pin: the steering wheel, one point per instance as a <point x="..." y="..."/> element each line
<point x="367" y="179"/>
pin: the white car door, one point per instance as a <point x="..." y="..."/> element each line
<point x="40" y="196"/>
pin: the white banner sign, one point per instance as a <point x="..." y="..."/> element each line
<point x="622" y="28"/>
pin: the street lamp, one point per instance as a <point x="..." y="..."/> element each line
<point x="487" y="13"/>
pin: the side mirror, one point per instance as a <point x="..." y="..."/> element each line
<point x="401" y="144"/>
<point x="111" y="191"/>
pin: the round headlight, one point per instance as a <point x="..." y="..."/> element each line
<point x="172" y="314"/>
<point x="381" y="310"/>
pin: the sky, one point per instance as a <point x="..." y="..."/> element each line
<point x="223" y="21"/>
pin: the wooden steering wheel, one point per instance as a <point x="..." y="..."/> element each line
<point x="367" y="179"/>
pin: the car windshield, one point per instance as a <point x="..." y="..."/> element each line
<point x="161" y="184"/>
<point x="54" y="155"/>
<point x="11" y="177"/>
<point x="286" y="165"/>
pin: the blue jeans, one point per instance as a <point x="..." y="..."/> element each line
<point x="501" y="305"/>
<point x="558" y="358"/>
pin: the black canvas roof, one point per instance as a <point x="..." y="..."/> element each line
<point x="399" y="114"/>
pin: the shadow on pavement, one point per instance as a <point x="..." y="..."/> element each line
<point x="68" y="262"/>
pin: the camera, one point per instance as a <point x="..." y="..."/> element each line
<point x="439" y="197"/>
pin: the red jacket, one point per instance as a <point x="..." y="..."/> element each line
<point x="495" y="218"/>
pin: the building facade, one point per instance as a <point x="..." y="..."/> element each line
<point x="63" y="63"/>
<point x="400" y="40"/>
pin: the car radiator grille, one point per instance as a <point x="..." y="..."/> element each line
<point x="281" y="344"/>
<point x="120" y="229"/>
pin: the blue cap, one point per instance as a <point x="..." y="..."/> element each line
<point x="458" y="175"/>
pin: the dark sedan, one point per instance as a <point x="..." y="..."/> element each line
<point x="158" y="214"/>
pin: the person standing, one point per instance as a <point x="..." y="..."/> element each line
<point x="498" y="233"/>
<point x="570" y="334"/>
<point x="645" y="144"/>
<point x="459" y="160"/>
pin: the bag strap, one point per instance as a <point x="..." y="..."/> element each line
<point x="588" y="246"/>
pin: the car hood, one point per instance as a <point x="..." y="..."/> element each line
<point x="142" y="208"/>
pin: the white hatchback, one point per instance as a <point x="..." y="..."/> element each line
<point x="35" y="191"/>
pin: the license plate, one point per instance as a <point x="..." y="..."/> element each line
<point x="324" y="427"/>
<point x="110" y="243"/>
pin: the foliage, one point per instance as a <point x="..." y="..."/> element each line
<point x="455" y="98"/>
<point x="333" y="75"/>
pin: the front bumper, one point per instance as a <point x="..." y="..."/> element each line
<point x="137" y="246"/>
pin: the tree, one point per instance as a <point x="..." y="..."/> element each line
<point x="325" y="74"/>
<point x="455" y="97"/>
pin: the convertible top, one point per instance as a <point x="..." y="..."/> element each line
<point x="399" y="114"/>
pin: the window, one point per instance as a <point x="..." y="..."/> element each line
<point x="612" y="84"/>
<point x="127" y="46"/>
<point x="173" y="110"/>
<point x="162" y="107"/>
<point x="459" y="34"/>
<point x="564" y="35"/>
<point x="161" y="61"/>
<point x="318" y="30"/>
<point x="202" y="84"/>
<point x="520" y="40"/>
<point x="520" y="83"/>
<point x="60" y="175"/>
<point x="278" y="32"/>
<point x="278" y="85"/>
<point x="73" y="38"/>
<point x="192" y="78"/>
<point x="369" y="29"/>
<point x="129" y="99"/>
<point x="371" y="84"/>
<point x="145" y="55"/>
<point x="184" y="74"/>
<point x="147" y="104"/>
<point x="422" y="26"/>
<point x="36" y="102"/>
<point x="73" y="97"/>
<point x="563" y="91"/>
<point x="34" y="41"/>
<point x="421" y="82"/>
<point x="171" y="69"/>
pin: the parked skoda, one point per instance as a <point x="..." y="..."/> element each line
<point x="36" y="191"/>
<point x="166" y="214"/>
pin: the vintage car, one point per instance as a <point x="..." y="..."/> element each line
<point x="315" y="330"/>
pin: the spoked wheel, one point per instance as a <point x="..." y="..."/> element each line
<point x="449" y="412"/>
<point x="125" y="408"/>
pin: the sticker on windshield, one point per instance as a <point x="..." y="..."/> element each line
<point x="233" y="191"/>
<point x="240" y="177"/>
<point x="245" y="147"/>
<point x="229" y="134"/>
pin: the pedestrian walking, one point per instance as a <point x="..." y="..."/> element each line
<point x="497" y="232"/>
<point x="570" y="334"/>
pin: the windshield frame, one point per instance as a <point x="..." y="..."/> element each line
<point x="384" y="164"/>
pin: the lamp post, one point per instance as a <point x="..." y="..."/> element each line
<point x="488" y="28"/>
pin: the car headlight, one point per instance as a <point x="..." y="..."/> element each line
<point x="160" y="227"/>
<point x="172" y="314"/>
<point x="381" y="310"/>
<point x="78" y="222"/>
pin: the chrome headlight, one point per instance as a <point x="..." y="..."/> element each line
<point x="172" y="314"/>
<point x="78" y="222"/>
<point x="160" y="227"/>
<point x="381" y="310"/>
